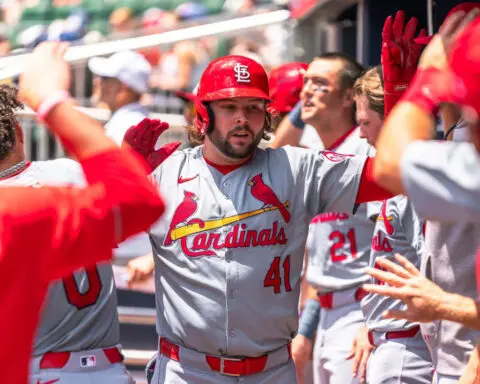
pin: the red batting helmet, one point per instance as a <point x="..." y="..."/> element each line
<point x="464" y="60"/>
<point x="225" y="78"/>
<point x="286" y="83"/>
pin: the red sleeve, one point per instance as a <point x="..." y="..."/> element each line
<point x="369" y="190"/>
<point x="69" y="227"/>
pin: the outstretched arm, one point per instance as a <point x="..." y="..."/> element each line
<point x="412" y="118"/>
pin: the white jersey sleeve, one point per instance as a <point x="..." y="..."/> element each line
<point x="328" y="181"/>
<point x="442" y="180"/>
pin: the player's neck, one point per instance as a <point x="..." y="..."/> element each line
<point x="11" y="160"/>
<point x="214" y="156"/>
<point x="330" y="137"/>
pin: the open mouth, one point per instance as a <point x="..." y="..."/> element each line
<point x="307" y="104"/>
<point x="241" y="134"/>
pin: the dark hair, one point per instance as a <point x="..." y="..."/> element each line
<point x="8" y="121"/>
<point x="351" y="70"/>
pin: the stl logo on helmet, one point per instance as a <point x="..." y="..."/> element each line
<point x="228" y="232"/>
<point x="241" y="73"/>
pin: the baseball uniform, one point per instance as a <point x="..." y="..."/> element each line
<point x="450" y="247"/>
<point x="443" y="174"/>
<point x="228" y="258"/>
<point x="338" y="246"/>
<point x="79" y="314"/>
<point x="398" y="230"/>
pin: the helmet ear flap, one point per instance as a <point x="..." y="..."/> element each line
<point x="204" y="118"/>
<point x="211" y="118"/>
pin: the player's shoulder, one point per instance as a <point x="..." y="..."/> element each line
<point x="61" y="170"/>
<point x="177" y="159"/>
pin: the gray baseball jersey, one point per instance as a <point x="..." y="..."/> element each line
<point x="444" y="177"/>
<point x="451" y="252"/>
<point x="79" y="312"/>
<point x="338" y="244"/>
<point x="398" y="230"/>
<point x="442" y="180"/>
<point x="229" y="248"/>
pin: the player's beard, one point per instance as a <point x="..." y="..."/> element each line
<point x="223" y="145"/>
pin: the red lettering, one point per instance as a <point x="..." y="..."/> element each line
<point x="273" y="277"/>
<point x="203" y="243"/>
<point x="380" y="243"/>
<point x="264" y="237"/>
<point x="252" y="239"/>
<point x="329" y="216"/>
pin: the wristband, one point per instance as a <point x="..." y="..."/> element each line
<point x="295" y="116"/>
<point x="47" y="105"/>
<point x="309" y="319"/>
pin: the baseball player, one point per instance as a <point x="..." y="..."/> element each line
<point x="450" y="248"/>
<point x="338" y="244"/>
<point x="78" y="335"/>
<point x="229" y="252"/>
<point x="286" y="83"/>
<point x="398" y="229"/>
<point x="50" y="232"/>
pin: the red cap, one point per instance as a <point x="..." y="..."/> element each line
<point x="229" y="77"/>
<point x="464" y="61"/>
<point x="187" y="96"/>
<point x="286" y="83"/>
<point x="466" y="7"/>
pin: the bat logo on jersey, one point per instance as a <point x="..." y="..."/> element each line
<point x="205" y="241"/>
<point x="386" y="219"/>
<point x="335" y="157"/>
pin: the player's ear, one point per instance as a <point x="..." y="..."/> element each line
<point x="20" y="137"/>
<point x="347" y="99"/>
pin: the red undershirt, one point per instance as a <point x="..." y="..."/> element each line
<point x="226" y="169"/>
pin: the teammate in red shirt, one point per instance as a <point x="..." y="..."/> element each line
<point x="47" y="233"/>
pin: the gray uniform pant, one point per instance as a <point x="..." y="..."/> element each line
<point x="336" y="331"/>
<point x="100" y="372"/>
<point x="400" y="361"/>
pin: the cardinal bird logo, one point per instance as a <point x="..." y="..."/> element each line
<point x="187" y="208"/>
<point x="386" y="219"/>
<point x="265" y="194"/>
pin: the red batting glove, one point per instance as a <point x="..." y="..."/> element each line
<point x="400" y="55"/>
<point x="431" y="87"/>
<point x="143" y="137"/>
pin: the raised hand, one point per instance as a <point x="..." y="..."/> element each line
<point x="400" y="54"/>
<point x="143" y="137"/>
